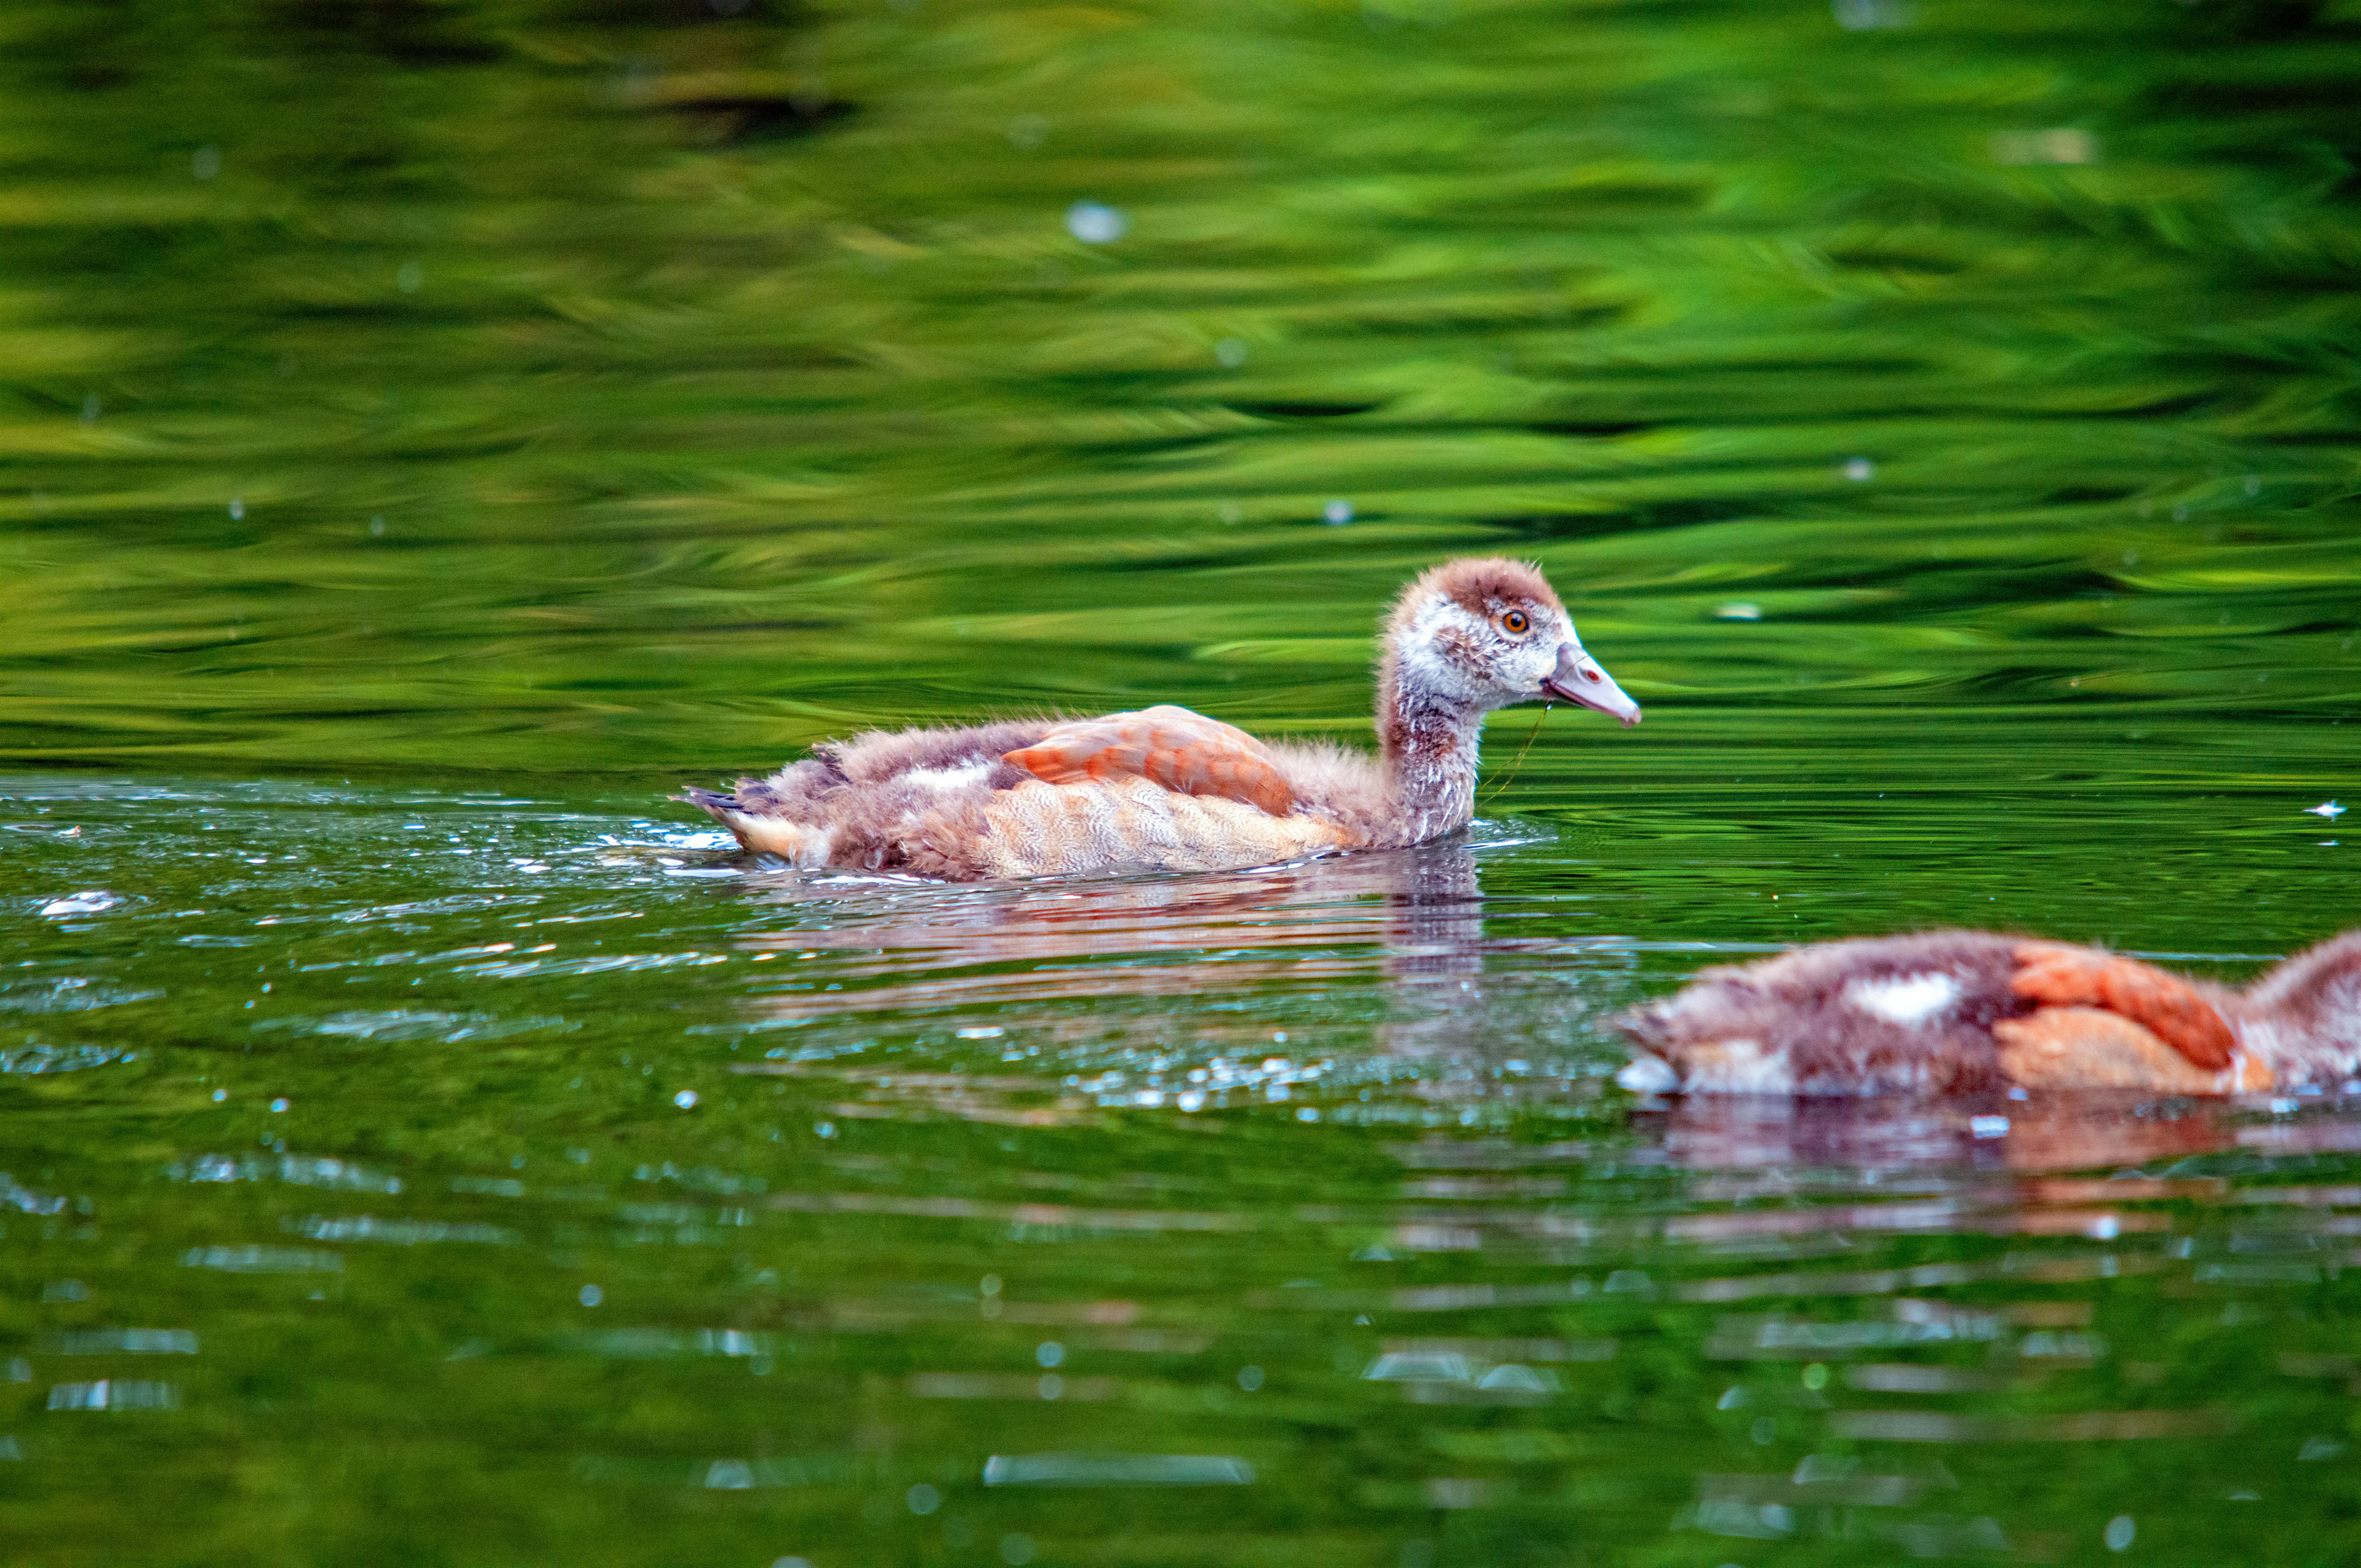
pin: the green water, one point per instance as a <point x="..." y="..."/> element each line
<point x="430" y="432"/>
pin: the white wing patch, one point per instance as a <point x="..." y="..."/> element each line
<point x="944" y="780"/>
<point x="1906" y="999"/>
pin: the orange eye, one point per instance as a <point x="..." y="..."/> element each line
<point x="1515" y="621"/>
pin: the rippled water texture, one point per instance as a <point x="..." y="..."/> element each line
<point x="430" y="432"/>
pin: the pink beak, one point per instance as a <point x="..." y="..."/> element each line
<point x="1578" y="678"/>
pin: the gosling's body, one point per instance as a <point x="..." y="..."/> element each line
<point x="950" y="804"/>
<point x="1166" y="789"/>
<point x="1972" y="1012"/>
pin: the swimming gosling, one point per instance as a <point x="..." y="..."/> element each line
<point x="1971" y="1012"/>
<point x="1169" y="790"/>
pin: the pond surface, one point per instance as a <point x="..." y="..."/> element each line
<point x="429" y="434"/>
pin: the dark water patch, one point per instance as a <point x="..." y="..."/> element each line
<point x="1900" y="261"/>
<point x="1304" y="410"/>
<point x="1602" y="429"/>
<point x="719" y="119"/>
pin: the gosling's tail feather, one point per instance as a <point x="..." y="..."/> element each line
<point x="713" y="801"/>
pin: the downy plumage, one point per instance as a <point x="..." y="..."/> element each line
<point x="1972" y="1011"/>
<point x="1166" y="789"/>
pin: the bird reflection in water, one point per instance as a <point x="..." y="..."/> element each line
<point x="2056" y="1132"/>
<point x="1379" y="957"/>
<point x="924" y="946"/>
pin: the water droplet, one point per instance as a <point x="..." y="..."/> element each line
<point x="237" y="509"/>
<point x="279" y="1104"/>
<point x="923" y="1498"/>
<point x="1231" y="352"/>
<point x="1249" y="1378"/>
<point x="2120" y="1533"/>
<point x="590" y="1295"/>
<point x="1870" y="15"/>
<point x="1093" y="222"/>
<point x="1860" y="470"/>
<point x="686" y="1099"/>
<point x="1338" y="513"/>
<point x="1049" y="1352"/>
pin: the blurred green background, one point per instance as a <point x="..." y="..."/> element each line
<point x="653" y="386"/>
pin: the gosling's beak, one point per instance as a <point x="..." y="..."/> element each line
<point x="1578" y="678"/>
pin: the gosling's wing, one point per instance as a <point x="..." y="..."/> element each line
<point x="1186" y="752"/>
<point x="2052" y="974"/>
<point x="2091" y="1047"/>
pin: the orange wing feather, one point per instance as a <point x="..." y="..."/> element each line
<point x="2054" y="975"/>
<point x="1186" y="752"/>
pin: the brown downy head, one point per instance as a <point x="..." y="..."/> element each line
<point x="1476" y="634"/>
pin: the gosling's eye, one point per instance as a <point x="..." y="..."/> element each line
<point x="1515" y="622"/>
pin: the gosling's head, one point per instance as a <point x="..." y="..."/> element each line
<point x="1486" y="632"/>
<point x="2304" y="1017"/>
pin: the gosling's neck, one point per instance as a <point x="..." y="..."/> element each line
<point x="1428" y="741"/>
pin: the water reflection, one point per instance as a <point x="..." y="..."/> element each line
<point x="1408" y="996"/>
<point x="2059" y="1132"/>
<point x="1870" y="1327"/>
<point x="1410" y="916"/>
<point x="2055" y="1133"/>
<point x="1071" y="1206"/>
